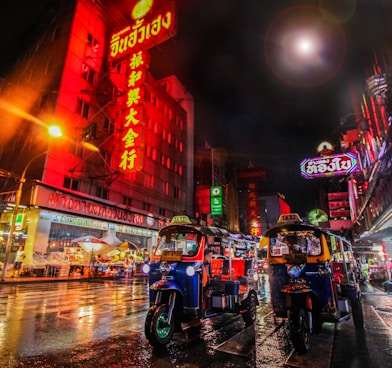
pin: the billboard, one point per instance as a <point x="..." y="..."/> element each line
<point x="325" y="166"/>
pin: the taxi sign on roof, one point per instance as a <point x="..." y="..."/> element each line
<point x="289" y="218"/>
<point x="180" y="220"/>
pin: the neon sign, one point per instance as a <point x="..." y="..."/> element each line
<point x="132" y="139"/>
<point x="143" y="34"/>
<point x="340" y="164"/>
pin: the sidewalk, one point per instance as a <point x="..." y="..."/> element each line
<point x="23" y="280"/>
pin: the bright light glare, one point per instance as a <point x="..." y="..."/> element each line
<point x="305" y="46"/>
<point x="55" y="131"/>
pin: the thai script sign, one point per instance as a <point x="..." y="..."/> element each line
<point x="60" y="201"/>
<point x="155" y="27"/>
<point x="340" y="164"/>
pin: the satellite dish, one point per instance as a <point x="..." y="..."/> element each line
<point x="317" y="216"/>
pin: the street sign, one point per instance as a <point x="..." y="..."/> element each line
<point x="216" y="200"/>
<point x="325" y="166"/>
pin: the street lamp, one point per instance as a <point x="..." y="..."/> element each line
<point x="53" y="131"/>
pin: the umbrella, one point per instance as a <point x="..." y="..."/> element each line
<point x="91" y="244"/>
<point x="111" y="238"/>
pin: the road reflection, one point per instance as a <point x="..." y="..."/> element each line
<point x="72" y="324"/>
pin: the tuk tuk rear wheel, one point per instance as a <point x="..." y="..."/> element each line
<point x="356" y="310"/>
<point x="300" y="332"/>
<point x="161" y="330"/>
<point x="249" y="316"/>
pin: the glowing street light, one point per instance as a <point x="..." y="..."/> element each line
<point x="55" y="132"/>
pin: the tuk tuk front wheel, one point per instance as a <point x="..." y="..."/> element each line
<point x="161" y="330"/>
<point x="299" y="330"/>
<point x="148" y="324"/>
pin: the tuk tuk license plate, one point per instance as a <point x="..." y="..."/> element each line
<point x="171" y="255"/>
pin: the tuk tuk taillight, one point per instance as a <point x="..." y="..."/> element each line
<point x="308" y="303"/>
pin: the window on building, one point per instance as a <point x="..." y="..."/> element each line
<point x="71" y="183"/>
<point x="169" y="138"/>
<point x="168" y="163"/>
<point x="88" y="73"/>
<point x="146" y="206"/>
<point x="163" y="159"/>
<point x="148" y="151"/>
<point x="177" y="193"/>
<point x="101" y="192"/>
<point x="83" y="109"/>
<point x="93" y="42"/>
<point x="181" y="147"/>
<point x="180" y="170"/>
<point x="163" y="212"/>
<point x="165" y="187"/>
<point x="126" y="201"/>
<point x="149" y="181"/>
<point x="107" y="157"/>
<point x="154" y="154"/>
<point x="108" y="125"/>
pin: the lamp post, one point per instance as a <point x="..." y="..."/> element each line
<point x="53" y="131"/>
<point x="18" y="197"/>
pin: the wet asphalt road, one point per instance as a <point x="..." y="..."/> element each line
<point x="101" y="324"/>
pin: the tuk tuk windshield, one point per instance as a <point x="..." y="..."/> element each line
<point x="188" y="243"/>
<point x="295" y="242"/>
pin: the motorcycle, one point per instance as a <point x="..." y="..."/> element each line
<point x="312" y="278"/>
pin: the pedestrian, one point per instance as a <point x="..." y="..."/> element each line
<point x="20" y="256"/>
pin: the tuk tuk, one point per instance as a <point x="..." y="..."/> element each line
<point x="178" y="294"/>
<point x="312" y="278"/>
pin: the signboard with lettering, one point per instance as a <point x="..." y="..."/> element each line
<point x="216" y="200"/>
<point x="325" y="166"/>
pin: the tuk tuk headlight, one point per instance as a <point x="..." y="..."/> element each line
<point x="146" y="268"/>
<point x="164" y="268"/>
<point x="294" y="271"/>
<point x="190" y="271"/>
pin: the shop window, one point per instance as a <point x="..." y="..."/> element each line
<point x="71" y="183"/>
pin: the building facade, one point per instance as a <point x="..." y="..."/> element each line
<point x="87" y="69"/>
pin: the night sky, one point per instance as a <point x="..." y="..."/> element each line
<point x="259" y="99"/>
<point x="255" y="95"/>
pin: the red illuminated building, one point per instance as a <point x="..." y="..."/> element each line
<point x="87" y="69"/>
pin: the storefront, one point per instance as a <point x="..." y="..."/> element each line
<point x="56" y="222"/>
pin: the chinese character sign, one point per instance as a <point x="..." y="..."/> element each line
<point x="132" y="137"/>
<point x="340" y="164"/>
